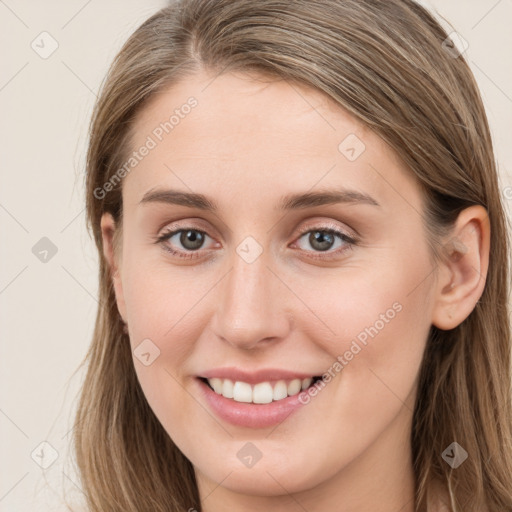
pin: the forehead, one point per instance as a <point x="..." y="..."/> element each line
<point x="245" y="102"/>
<point x="252" y="135"/>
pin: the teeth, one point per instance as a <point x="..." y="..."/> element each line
<point x="294" y="386"/>
<point x="261" y="393"/>
<point x="306" y="382"/>
<point x="227" y="388"/>
<point x="280" y="390"/>
<point x="242" y="392"/>
<point x="216" y="384"/>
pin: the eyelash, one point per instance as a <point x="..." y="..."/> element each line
<point x="350" y="241"/>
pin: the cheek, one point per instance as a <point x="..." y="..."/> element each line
<point x="166" y="305"/>
<point x="381" y="303"/>
<point x="163" y="308"/>
<point x="156" y="318"/>
<point x="379" y="314"/>
<point x="381" y="322"/>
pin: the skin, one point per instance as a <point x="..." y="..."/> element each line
<point x="246" y="144"/>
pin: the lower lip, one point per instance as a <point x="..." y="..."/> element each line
<point x="248" y="414"/>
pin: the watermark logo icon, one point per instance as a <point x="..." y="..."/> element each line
<point x="454" y="455"/>
<point x="44" y="45"/>
<point x="44" y="454"/>
<point x="455" y="45"/>
<point x="249" y="249"/>
<point x="44" y="250"/>
<point x="351" y="147"/>
<point x="249" y="455"/>
<point x="146" y="352"/>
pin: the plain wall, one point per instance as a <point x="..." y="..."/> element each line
<point x="47" y="309"/>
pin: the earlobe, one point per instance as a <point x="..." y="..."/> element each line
<point x="463" y="269"/>
<point x="112" y="258"/>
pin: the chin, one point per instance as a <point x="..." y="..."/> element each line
<point x="274" y="478"/>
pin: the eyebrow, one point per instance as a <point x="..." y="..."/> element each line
<point x="288" y="202"/>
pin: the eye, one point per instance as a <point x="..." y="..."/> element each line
<point x="321" y="239"/>
<point x="190" y="239"/>
<point x="325" y="239"/>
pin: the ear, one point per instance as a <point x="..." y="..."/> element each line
<point x="463" y="269"/>
<point x="112" y="256"/>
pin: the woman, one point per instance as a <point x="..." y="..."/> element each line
<point x="304" y="267"/>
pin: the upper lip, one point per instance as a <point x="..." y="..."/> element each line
<point x="262" y="375"/>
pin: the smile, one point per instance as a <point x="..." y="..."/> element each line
<point x="260" y="393"/>
<point x="254" y="399"/>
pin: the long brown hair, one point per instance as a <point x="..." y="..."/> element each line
<point x="387" y="64"/>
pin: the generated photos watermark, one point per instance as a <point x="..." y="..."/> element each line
<point x="356" y="346"/>
<point x="151" y="142"/>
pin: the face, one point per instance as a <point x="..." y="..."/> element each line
<point x="269" y="281"/>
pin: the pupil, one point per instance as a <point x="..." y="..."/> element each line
<point x="191" y="239"/>
<point x="321" y="240"/>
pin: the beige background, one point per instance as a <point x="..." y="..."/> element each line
<point x="47" y="309"/>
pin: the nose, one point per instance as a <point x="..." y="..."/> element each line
<point x="253" y="307"/>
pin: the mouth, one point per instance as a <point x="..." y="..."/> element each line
<point x="255" y="399"/>
<point x="263" y="392"/>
